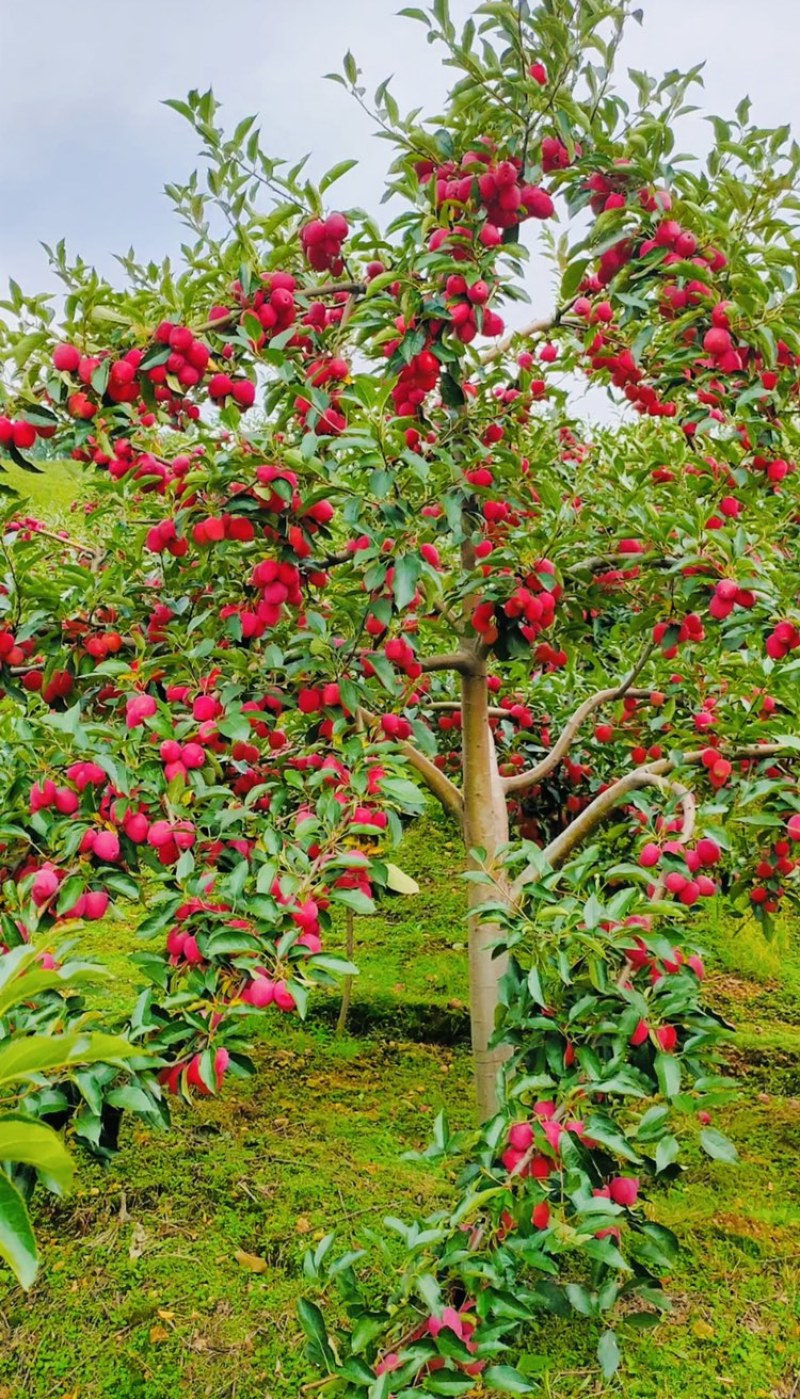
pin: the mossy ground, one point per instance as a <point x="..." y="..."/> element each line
<point x="142" y="1295"/>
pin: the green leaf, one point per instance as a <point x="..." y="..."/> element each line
<point x="668" y="1073"/>
<point x="100" y="377"/>
<point x="612" y="1138"/>
<point x="70" y="892"/>
<point x="399" y="881"/>
<point x="716" y="1145"/>
<point x="313" y="1323"/>
<point x="122" y="884"/>
<point x="580" y="1298"/>
<point x="17" y="1242"/>
<point x="405" y="793"/>
<point x="355" y="899"/>
<point x="366" y="1329"/>
<point x="608" y="1354"/>
<point x="22" y="461"/>
<point x="25" y="988"/>
<point x="451" y="391"/>
<point x="506" y="1380"/>
<point x="328" y="963"/>
<point x="407" y="570"/>
<point x="652" y="1123"/>
<point x="788" y="741"/>
<point x="35" y="1054"/>
<point x="335" y="173"/>
<point x="382" y="1387"/>
<point x="666" y="1152"/>
<point x="15" y="961"/>
<point x="131" y="1098"/>
<point x="447" y="1383"/>
<point x="572" y="278"/>
<point x="38" y="415"/>
<point x="27" y="1142"/>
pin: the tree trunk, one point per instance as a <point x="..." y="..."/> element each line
<point x="485" y="827"/>
<point x="347" y="985"/>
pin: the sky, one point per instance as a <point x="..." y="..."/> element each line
<point x="88" y="146"/>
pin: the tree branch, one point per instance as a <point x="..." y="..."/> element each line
<point x="442" y="788"/>
<point x="532" y="328"/>
<point x="750" y="750"/>
<point x="689" y="808"/>
<point x="653" y="775"/>
<point x="596" y="562"/>
<point x="594" y="814"/>
<point x="312" y="293"/>
<point x="522" y="780"/>
<point x="461" y="661"/>
<point x="494" y="711"/>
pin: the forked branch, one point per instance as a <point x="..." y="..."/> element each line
<point x="521" y="781"/>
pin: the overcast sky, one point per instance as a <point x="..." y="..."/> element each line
<point x="87" y="147"/>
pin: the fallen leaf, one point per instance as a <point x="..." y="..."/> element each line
<point x="703" y="1331"/>
<point x="399" y="881"/>
<point x="139" y="1241"/>
<point x="251" y="1261"/>
<point x="158" y="1334"/>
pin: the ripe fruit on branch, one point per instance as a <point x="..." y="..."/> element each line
<point x="322" y="241"/>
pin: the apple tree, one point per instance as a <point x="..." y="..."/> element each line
<point x="351" y="537"/>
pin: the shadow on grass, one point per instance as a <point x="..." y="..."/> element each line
<point x="383" y="1016"/>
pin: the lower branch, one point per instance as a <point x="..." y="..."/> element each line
<point x="522" y="780"/>
<point x="654" y="775"/>
<point x="532" y="328"/>
<point x="442" y="788"/>
<point x="494" y="711"/>
<point x="597" y="562"/>
<point x="595" y="813"/>
<point x="311" y="293"/>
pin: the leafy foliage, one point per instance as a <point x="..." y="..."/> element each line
<point x="30" y="1147"/>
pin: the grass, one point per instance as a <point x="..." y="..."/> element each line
<point x="50" y="493"/>
<point x="148" y="1288"/>
<point x="173" y="1273"/>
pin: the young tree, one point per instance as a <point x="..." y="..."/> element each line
<point x="350" y="530"/>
